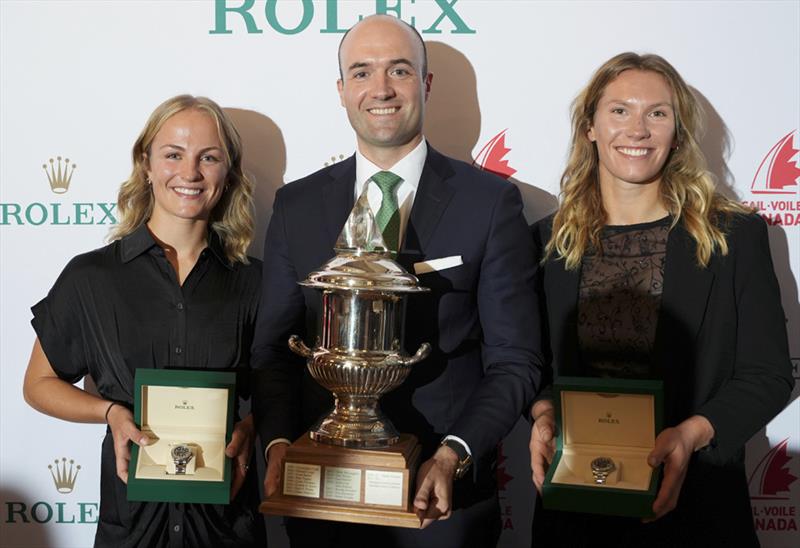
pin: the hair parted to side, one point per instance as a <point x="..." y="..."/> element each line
<point x="687" y="188"/>
<point x="231" y="218"/>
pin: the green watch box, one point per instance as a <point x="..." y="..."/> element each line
<point x="598" y="419"/>
<point x="188" y="416"/>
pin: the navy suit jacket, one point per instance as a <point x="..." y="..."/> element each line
<point x="481" y="318"/>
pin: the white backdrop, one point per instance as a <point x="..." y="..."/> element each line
<point x="79" y="79"/>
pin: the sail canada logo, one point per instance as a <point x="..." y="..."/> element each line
<point x="503" y="478"/>
<point x="492" y="157"/>
<point x="59" y="173"/>
<point x="64" y="473"/>
<point x="774" y="190"/>
<point x="770" y="491"/>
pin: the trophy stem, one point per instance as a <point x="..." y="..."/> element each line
<point x="356" y="421"/>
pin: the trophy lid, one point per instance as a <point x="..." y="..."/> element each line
<point x="362" y="259"/>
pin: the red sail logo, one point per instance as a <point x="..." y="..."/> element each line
<point x="771" y="477"/>
<point x="503" y="477"/>
<point x="779" y="171"/>
<point x="492" y="157"/>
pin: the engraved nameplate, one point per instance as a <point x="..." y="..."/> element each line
<point x="342" y="484"/>
<point x="301" y="480"/>
<point x="381" y="487"/>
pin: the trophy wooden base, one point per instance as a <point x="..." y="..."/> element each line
<point x="374" y="486"/>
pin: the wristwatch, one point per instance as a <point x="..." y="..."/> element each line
<point x="181" y="455"/>
<point x="464" y="458"/>
<point x="601" y="468"/>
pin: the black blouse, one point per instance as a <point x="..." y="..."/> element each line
<point x="119" y="308"/>
<point x="619" y="299"/>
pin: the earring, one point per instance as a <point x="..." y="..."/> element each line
<point x="149" y="182"/>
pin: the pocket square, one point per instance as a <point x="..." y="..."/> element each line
<point x="434" y="265"/>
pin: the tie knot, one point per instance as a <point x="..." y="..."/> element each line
<point x="387" y="181"/>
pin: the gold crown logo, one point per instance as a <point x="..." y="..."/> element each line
<point x="64" y="477"/>
<point x="334" y="159"/>
<point x="59" y="173"/>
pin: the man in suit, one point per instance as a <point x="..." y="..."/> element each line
<point x="481" y="315"/>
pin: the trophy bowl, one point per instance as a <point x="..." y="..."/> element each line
<point x="357" y="378"/>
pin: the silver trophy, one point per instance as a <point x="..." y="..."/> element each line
<point x="359" y="353"/>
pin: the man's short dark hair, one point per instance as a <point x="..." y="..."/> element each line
<point x="416" y="33"/>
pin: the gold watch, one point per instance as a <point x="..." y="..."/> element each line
<point x="464" y="458"/>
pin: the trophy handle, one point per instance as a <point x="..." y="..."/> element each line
<point x="299" y="347"/>
<point x="420" y="355"/>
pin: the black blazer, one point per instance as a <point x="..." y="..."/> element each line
<point x="480" y="318"/>
<point x="721" y="344"/>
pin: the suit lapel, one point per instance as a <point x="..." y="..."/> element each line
<point x="687" y="287"/>
<point x="433" y="195"/>
<point x="338" y="196"/>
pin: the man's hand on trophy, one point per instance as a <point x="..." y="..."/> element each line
<point x="272" y="477"/>
<point x="543" y="440"/>
<point x="435" y="486"/>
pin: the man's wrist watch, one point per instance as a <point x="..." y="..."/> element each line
<point x="181" y="455"/>
<point x="464" y="458"/>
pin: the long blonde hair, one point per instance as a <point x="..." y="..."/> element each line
<point x="231" y="218"/>
<point x="687" y="188"/>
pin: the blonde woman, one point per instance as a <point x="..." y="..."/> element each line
<point x="648" y="272"/>
<point x="174" y="289"/>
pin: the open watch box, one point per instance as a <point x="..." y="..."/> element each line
<point x="188" y="416"/>
<point x="606" y="429"/>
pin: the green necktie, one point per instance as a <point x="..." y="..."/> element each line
<point x="388" y="217"/>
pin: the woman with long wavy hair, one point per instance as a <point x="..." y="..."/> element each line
<point x="648" y="272"/>
<point x="174" y="289"/>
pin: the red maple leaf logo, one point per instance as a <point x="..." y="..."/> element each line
<point x="778" y="172"/>
<point x="492" y="156"/>
<point x="503" y="477"/>
<point x="772" y="474"/>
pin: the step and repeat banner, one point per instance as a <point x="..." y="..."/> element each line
<point x="79" y="79"/>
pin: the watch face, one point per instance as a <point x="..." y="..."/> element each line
<point x="603" y="464"/>
<point x="181" y="452"/>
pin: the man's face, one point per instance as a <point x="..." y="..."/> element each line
<point x="382" y="87"/>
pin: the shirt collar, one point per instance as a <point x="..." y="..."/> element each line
<point x="140" y="240"/>
<point x="409" y="168"/>
<point x="136" y="243"/>
<point x="215" y="244"/>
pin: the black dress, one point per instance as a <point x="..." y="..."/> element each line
<point x="618" y="308"/>
<point x="119" y="308"/>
